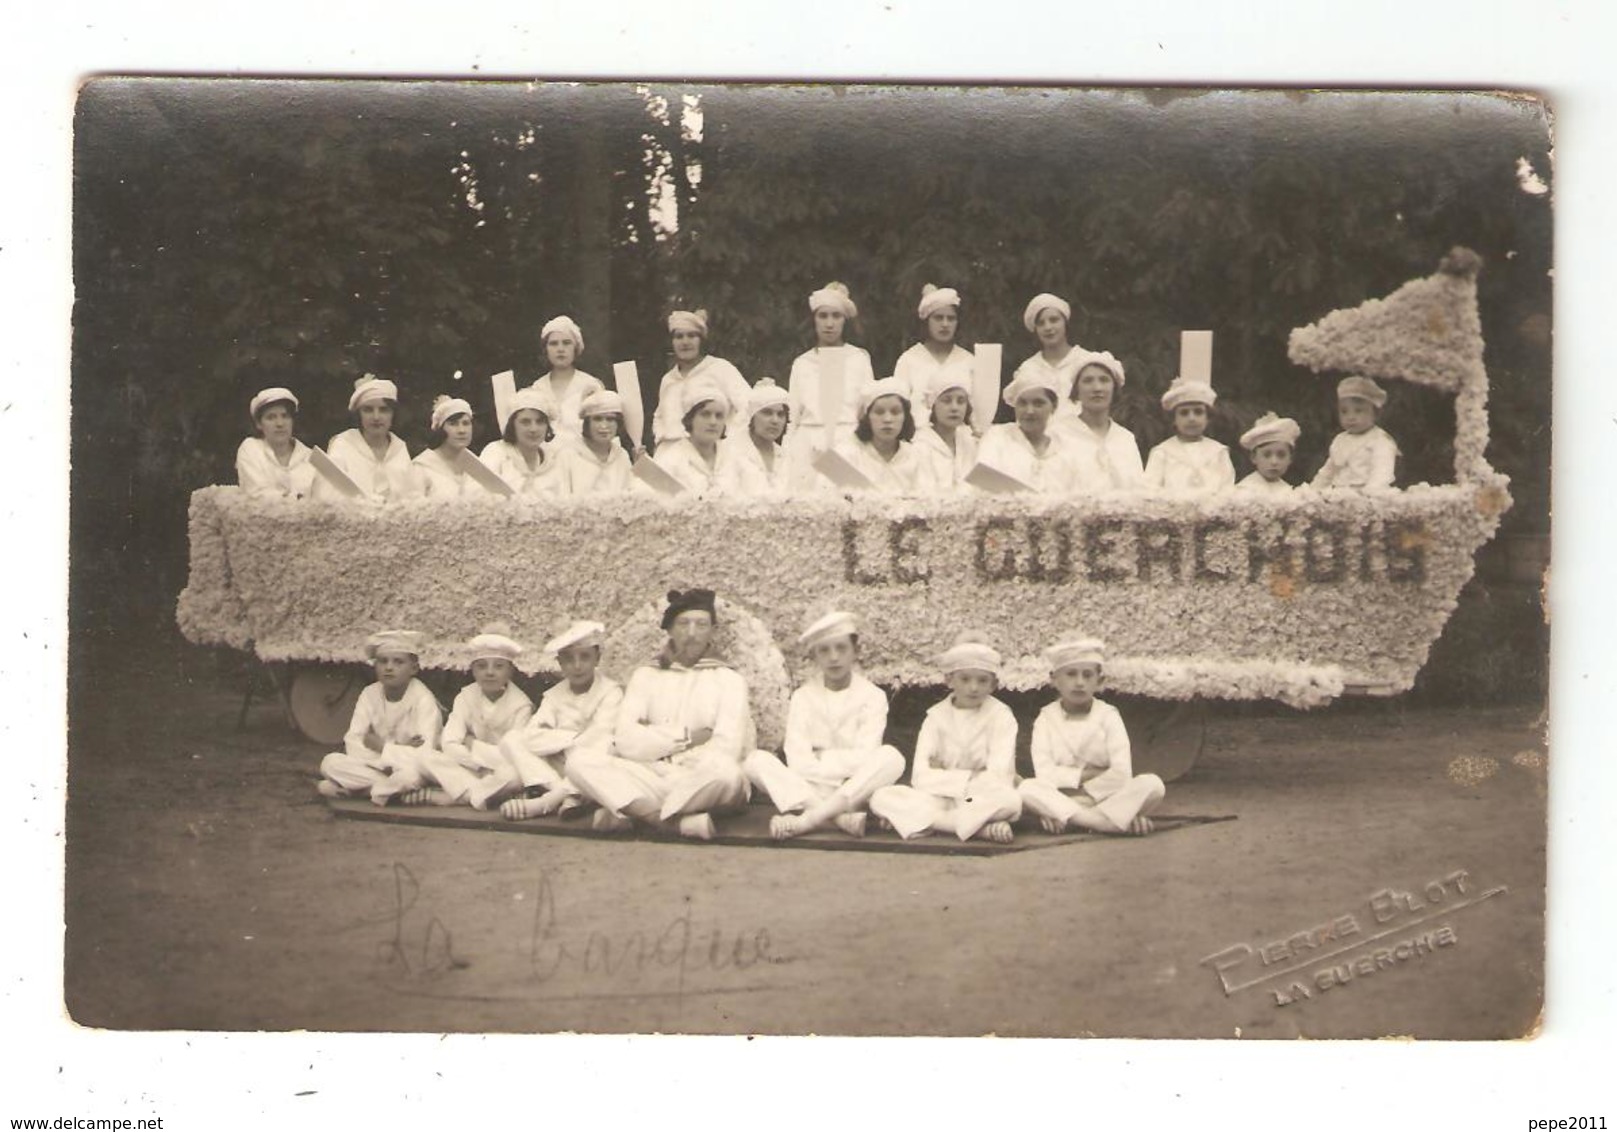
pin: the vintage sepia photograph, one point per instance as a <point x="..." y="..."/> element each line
<point x="787" y="559"/>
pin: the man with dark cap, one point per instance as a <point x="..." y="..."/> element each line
<point x="683" y="729"/>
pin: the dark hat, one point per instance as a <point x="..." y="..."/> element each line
<point x="683" y="602"/>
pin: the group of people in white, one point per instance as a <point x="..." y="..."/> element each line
<point x="678" y="744"/>
<point x="912" y="433"/>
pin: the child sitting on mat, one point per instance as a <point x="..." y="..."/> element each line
<point x="835" y="759"/>
<point x="485" y="711"/>
<point x="1082" y="774"/>
<point x="964" y="779"/>
<point x="575" y="721"/>
<point x="394" y="719"/>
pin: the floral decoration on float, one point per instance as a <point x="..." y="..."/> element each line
<point x="1239" y="596"/>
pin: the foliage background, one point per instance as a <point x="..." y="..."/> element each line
<point x="236" y="234"/>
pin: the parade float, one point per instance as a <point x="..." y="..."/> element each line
<point x="1300" y="598"/>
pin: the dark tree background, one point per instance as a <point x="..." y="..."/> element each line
<point x="236" y="234"/>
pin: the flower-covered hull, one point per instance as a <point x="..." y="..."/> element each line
<point x="1243" y="597"/>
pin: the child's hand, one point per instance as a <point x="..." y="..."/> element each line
<point x="373" y="741"/>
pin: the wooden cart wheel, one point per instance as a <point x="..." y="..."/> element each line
<point x="1167" y="738"/>
<point x="322" y="701"/>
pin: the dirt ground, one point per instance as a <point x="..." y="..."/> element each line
<point x="1400" y="851"/>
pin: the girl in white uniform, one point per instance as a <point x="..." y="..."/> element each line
<point x="812" y="433"/>
<point x="599" y="464"/>
<point x="1270" y="443"/>
<point x="683" y="730"/>
<point x="1058" y="360"/>
<point x="882" y="447"/>
<point x="524" y="457"/>
<point x="1106" y="454"/>
<point x="835" y="758"/>
<point x="439" y="468"/>
<point x="565" y="384"/>
<point x="698" y="461"/>
<point x="964" y="778"/>
<point x="689" y="337"/>
<point x="575" y="722"/>
<point x="936" y="357"/>
<point x="1083" y="777"/>
<point x="394" y="721"/>
<point x="274" y="462"/>
<point x="757" y="463"/>
<point x="1028" y="449"/>
<point x="1363" y="455"/>
<point x="371" y="455"/>
<point x="467" y="761"/>
<point x="948" y="441"/>
<point x="1190" y="462"/>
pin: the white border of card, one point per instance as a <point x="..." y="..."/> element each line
<point x="263" y="1081"/>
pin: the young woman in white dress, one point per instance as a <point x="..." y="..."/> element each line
<point x="565" y="384"/>
<point x="1058" y="359"/>
<point x="441" y="473"/>
<point x="757" y="463"/>
<point x="1106" y="454"/>
<point x="599" y="464"/>
<point x="948" y="441"/>
<point x="274" y="462"/>
<point x="882" y="449"/>
<point x="688" y="336"/>
<point x="1028" y="449"/>
<point x="936" y="356"/>
<point x="370" y="454"/>
<point x="812" y="433"/>
<point x="523" y="456"/>
<point x="698" y="461"/>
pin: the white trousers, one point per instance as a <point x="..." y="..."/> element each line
<point x="912" y="812"/>
<point x="461" y="777"/>
<point x="1142" y="794"/>
<point x="384" y="773"/>
<point x="623" y="785"/>
<point x="861" y="774"/>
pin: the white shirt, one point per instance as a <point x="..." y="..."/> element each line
<point x="585" y="473"/>
<point x="743" y="471"/>
<point x="1365" y="459"/>
<point x="907" y="473"/>
<point x="474" y="718"/>
<point x="569" y="424"/>
<point x="666" y="423"/>
<point x="440" y="479"/>
<point x="917" y="367"/>
<point x="828" y="733"/>
<point x="260" y="473"/>
<point x="1088" y="752"/>
<point x="958" y="748"/>
<point x="390" y="478"/>
<point x="1105" y="461"/>
<point x="1255" y="482"/>
<point x="575" y="723"/>
<point x="696" y="475"/>
<point x="414" y="715"/>
<point x="948" y="468"/>
<point x="1063" y="373"/>
<point x="661" y="706"/>
<point x="1199" y="466"/>
<point x="1006" y="448"/>
<point x="506" y="461"/>
<point x="804" y="386"/>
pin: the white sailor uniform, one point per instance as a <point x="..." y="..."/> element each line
<point x="1085" y="762"/>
